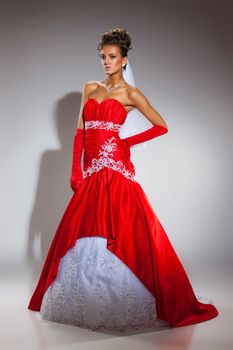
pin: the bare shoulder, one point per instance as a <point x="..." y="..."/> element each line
<point x="141" y="102"/>
<point x="138" y="99"/>
<point x="91" y="83"/>
<point x="89" y="87"/>
<point x="136" y="94"/>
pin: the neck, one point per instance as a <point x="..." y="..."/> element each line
<point x="113" y="79"/>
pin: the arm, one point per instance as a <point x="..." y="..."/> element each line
<point x="78" y="144"/>
<point x="159" y="126"/>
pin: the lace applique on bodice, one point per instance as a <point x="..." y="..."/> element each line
<point x="103" y="146"/>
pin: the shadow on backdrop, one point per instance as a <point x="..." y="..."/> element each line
<point x="53" y="188"/>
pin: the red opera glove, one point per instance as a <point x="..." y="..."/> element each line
<point x="155" y="131"/>
<point x="76" y="172"/>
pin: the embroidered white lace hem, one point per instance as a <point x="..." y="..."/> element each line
<point x="94" y="289"/>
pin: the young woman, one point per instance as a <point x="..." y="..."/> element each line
<point x="111" y="265"/>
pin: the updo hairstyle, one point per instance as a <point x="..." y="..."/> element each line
<point x="119" y="37"/>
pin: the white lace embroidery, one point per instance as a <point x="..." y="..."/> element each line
<point x="106" y="160"/>
<point x="100" y="124"/>
<point x="94" y="289"/>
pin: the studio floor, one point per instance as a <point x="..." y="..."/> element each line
<point x="22" y="328"/>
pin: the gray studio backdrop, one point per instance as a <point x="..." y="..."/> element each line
<point x="181" y="59"/>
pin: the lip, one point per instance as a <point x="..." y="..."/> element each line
<point x="107" y="67"/>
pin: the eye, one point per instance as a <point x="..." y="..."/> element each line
<point x="102" y="57"/>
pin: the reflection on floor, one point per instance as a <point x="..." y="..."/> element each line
<point x="24" y="329"/>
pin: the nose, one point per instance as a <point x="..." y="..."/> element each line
<point x="106" y="61"/>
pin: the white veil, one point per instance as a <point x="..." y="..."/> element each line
<point x="135" y="121"/>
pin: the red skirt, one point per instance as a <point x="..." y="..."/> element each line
<point x="109" y="205"/>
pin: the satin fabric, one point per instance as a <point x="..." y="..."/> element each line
<point x="110" y="205"/>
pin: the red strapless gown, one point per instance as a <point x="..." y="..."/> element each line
<point x="112" y="204"/>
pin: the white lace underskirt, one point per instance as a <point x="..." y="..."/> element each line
<point x="94" y="289"/>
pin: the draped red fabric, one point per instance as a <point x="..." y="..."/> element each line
<point x="110" y="205"/>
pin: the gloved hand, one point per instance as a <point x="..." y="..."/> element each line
<point x="76" y="172"/>
<point x="155" y="131"/>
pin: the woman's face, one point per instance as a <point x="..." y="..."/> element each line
<point x="111" y="58"/>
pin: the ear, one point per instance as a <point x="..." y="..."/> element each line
<point x="125" y="60"/>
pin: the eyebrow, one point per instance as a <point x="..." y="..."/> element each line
<point x="109" y="54"/>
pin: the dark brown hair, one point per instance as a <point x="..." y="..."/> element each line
<point x="116" y="36"/>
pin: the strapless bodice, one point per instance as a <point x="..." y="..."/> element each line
<point x="109" y="110"/>
<point x="103" y="145"/>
